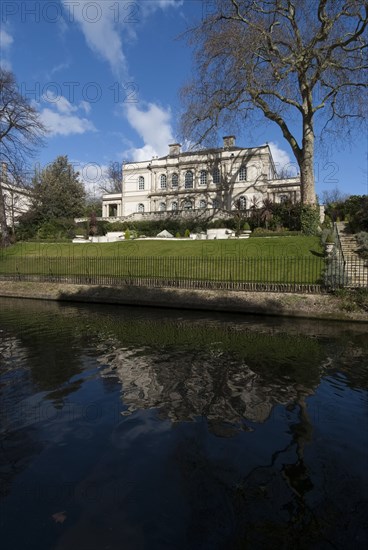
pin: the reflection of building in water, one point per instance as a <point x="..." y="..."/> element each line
<point x="185" y="385"/>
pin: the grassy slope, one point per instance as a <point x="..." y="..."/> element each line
<point x="293" y="247"/>
<point x="283" y="260"/>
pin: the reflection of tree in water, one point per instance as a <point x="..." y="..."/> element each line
<point x="271" y="506"/>
<point x="47" y="354"/>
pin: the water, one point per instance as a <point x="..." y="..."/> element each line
<point x="134" y="428"/>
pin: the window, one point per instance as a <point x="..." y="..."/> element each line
<point x="113" y="210"/>
<point x="162" y="206"/>
<point x="174" y="205"/>
<point x="140" y="207"/>
<point x="189" y="179"/>
<point x="141" y="183"/>
<point x="243" y="173"/>
<point x="174" y="180"/>
<point x="202" y="203"/>
<point x="188" y="205"/>
<point x="215" y="203"/>
<point x="203" y="177"/>
<point x="242" y="203"/>
<point x="216" y="176"/>
<point x="163" y="181"/>
<point x="284" y="198"/>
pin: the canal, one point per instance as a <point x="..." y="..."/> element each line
<point x="152" y="429"/>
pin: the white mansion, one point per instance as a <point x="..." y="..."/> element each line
<point x="17" y="200"/>
<point x="211" y="182"/>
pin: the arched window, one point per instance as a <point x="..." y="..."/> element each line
<point x="243" y="173"/>
<point x="140" y="207"/>
<point x="174" y="205"/>
<point x="189" y="179"/>
<point x="203" y="177"/>
<point x="174" y="180"/>
<point x="141" y="183"/>
<point x="202" y="203"/>
<point x="162" y="206"/>
<point x="188" y="205"/>
<point x="163" y="181"/>
<point x="242" y="203"/>
<point x="216" y="176"/>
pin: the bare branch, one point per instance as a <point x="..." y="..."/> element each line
<point x="270" y="55"/>
<point x="21" y="132"/>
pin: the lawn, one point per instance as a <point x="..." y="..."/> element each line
<point x="269" y="260"/>
<point x="292" y="247"/>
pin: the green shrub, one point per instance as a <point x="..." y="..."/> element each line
<point x="362" y="239"/>
<point x="246" y="226"/>
<point x="263" y="232"/>
<point x="117" y="226"/>
<point x="127" y="235"/>
<point x="275" y="222"/>
<point x="260" y="231"/>
<point x="327" y="236"/>
<point x="187" y="233"/>
<point x="309" y="220"/>
<point x="56" y="230"/>
<point x="327" y="222"/>
<point x="356" y="208"/>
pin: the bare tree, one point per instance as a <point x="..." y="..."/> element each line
<point x="300" y="64"/>
<point x="333" y="196"/>
<point x="112" y="182"/>
<point x="21" y="132"/>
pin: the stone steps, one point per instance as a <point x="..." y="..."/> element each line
<point x="357" y="270"/>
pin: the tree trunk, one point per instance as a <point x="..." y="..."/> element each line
<point x="308" y="194"/>
<point x="5" y="239"/>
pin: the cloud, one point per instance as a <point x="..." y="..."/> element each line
<point x="62" y="118"/>
<point x="59" y="67"/>
<point x="85" y="106"/>
<point x="149" y="7"/>
<point x="6" y="40"/>
<point x="153" y="125"/>
<point x="64" y="125"/>
<point x="100" y="24"/>
<point x="64" y="106"/>
<point x="284" y="165"/>
<point x="104" y="23"/>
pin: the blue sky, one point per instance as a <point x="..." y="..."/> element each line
<point x="105" y="76"/>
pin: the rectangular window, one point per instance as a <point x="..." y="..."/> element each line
<point x="243" y="173"/>
<point x="216" y="176"/>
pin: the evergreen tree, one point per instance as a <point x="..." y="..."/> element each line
<point x="58" y="192"/>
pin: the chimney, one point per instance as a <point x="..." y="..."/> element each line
<point x="174" y="149"/>
<point x="229" y="141"/>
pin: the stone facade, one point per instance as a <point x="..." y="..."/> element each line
<point x="211" y="182"/>
<point x="17" y="202"/>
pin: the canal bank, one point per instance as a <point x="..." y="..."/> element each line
<point x="312" y="306"/>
